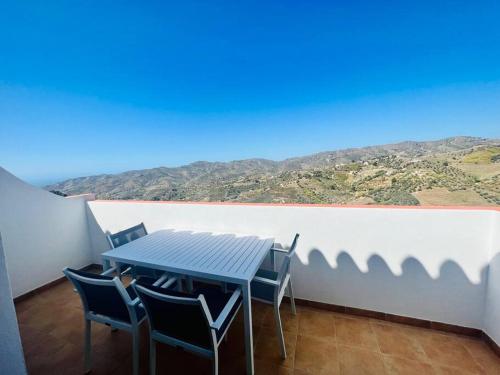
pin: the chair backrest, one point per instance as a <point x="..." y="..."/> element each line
<point x="181" y="316"/>
<point x="293" y="245"/>
<point x="285" y="266"/>
<point x="101" y="295"/>
<point x="127" y="235"/>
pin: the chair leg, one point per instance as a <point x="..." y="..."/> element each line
<point x="88" y="336"/>
<point x="215" y="363"/>
<point x="135" y="351"/>
<point x="152" y="357"/>
<point x="179" y="283"/>
<point x="189" y="284"/>
<point x="279" y="330"/>
<point x="292" y="300"/>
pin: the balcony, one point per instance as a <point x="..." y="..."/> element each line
<point x="382" y="290"/>
<point x="318" y="342"/>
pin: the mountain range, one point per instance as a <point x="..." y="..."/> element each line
<point x="451" y="171"/>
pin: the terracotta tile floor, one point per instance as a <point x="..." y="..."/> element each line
<point x="318" y="342"/>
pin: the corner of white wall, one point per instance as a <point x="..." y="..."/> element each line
<point x="98" y="239"/>
<point x="42" y="233"/>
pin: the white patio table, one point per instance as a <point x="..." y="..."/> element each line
<point x="228" y="258"/>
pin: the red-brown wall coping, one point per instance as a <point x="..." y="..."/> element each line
<point x="473" y="208"/>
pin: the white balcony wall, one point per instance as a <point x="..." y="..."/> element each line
<point x="492" y="306"/>
<point x="424" y="263"/>
<point x="42" y="233"/>
<point x="11" y="350"/>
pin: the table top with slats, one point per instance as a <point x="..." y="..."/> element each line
<point x="222" y="257"/>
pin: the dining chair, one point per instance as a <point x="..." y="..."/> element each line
<point x="269" y="286"/>
<point x="195" y="321"/>
<point x="123" y="237"/>
<point x="105" y="300"/>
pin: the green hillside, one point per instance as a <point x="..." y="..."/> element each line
<point x="452" y="171"/>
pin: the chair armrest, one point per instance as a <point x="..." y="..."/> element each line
<point x="161" y="280"/>
<point x="169" y="282"/>
<point x="263" y="280"/>
<point x="280" y="250"/>
<point x="108" y="271"/>
<point x="134" y="302"/>
<point x="226" y="310"/>
<point x="125" y="270"/>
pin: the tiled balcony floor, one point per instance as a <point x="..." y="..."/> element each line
<point x="318" y="342"/>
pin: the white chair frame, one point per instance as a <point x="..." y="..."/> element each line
<point x="155" y="336"/>
<point x="280" y="288"/>
<point x="89" y="316"/>
<point x="111" y="243"/>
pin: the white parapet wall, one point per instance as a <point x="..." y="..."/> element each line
<point x="425" y="263"/>
<point x="42" y="233"/>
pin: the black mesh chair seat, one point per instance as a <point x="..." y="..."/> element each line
<point x="187" y="323"/>
<point x="269" y="287"/>
<point x="268" y="274"/>
<point x="147" y="272"/>
<point x="264" y="291"/>
<point x="216" y="301"/>
<point x="105" y="300"/>
<point x="261" y="291"/>
<point x="146" y="280"/>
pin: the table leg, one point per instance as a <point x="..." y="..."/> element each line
<point x="247" y="310"/>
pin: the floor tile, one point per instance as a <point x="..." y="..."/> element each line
<point x="357" y="361"/>
<point x="267" y="348"/>
<point x="483" y="355"/>
<point x="315" y="354"/>
<point x="260" y="311"/>
<point x="266" y="368"/>
<point x="289" y="321"/>
<point x="355" y="332"/>
<point x="325" y="371"/>
<point x="402" y="366"/>
<point x="318" y="342"/>
<point x="452" y="370"/>
<point x="316" y="323"/>
<point x="448" y="350"/>
<point x="395" y="341"/>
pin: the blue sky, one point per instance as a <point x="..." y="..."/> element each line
<point x="98" y="87"/>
